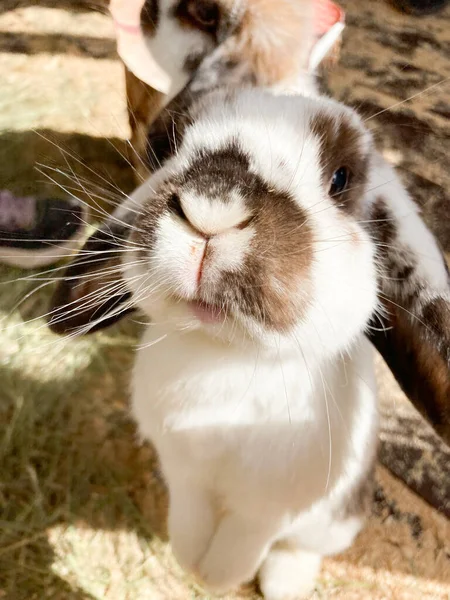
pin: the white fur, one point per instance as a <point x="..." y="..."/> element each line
<point x="172" y="44"/>
<point x="261" y="436"/>
<point x="253" y="452"/>
<point x="289" y="574"/>
<point x="412" y="233"/>
<point x="212" y="218"/>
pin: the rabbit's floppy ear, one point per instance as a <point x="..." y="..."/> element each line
<point x="414" y="284"/>
<point x="91" y="294"/>
<point x="132" y="47"/>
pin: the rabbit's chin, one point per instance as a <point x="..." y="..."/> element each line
<point x="325" y="329"/>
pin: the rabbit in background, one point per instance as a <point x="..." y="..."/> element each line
<point x="263" y="251"/>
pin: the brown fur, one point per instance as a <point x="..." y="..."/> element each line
<point x="275" y="37"/>
<point x="384" y="225"/>
<point x="415" y="355"/>
<point x="277" y="270"/>
<point x="79" y="298"/>
<point x="340" y="146"/>
<point x="150" y="16"/>
<point x="199" y="14"/>
<point x="360" y="498"/>
<point x="144" y="104"/>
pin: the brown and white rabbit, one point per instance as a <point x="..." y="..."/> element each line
<point x="261" y="251"/>
<point x="413" y="334"/>
<point x="255" y="381"/>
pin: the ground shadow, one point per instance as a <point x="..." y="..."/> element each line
<point x="58" y="468"/>
<point x="50" y="163"/>
<point x="58" y="43"/>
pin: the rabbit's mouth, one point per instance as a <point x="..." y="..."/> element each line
<point x="207" y="313"/>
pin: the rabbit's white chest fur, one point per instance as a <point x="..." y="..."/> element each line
<point x="235" y="418"/>
<point x="258" y="437"/>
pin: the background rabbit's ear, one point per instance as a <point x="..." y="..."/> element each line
<point x="414" y="337"/>
<point x="132" y="46"/>
<point x="92" y="294"/>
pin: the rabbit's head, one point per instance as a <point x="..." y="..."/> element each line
<point x="251" y="231"/>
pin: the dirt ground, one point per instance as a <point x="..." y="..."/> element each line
<point x="82" y="505"/>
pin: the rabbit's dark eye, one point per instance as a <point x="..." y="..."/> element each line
<point x="339" y="181"/>
<point x="174" y="205"/>
<point x="203" y="14"/>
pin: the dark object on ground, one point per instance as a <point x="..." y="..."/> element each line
<point x="36" y="233"/>
<point x="420" y="7"/>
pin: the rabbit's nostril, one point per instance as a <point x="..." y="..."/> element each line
<point x="174" y="205"/>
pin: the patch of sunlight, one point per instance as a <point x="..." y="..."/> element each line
<point x="360" y="581"/>
<point x="44" y="20"/>
<point x="76" y="94"/>
<point x="116" y="564"/>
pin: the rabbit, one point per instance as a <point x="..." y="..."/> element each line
<point x="255" y="378"/>
<point x="412" y="333"/>
<point x="245" y="54"/>
<point x="255" y="381"/>
<point x="422" y="371"/>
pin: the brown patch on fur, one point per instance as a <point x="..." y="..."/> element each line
<point x="166" y="132"/>
<point x="150" y="16"/>
<point x="275" y="38"/>
<point x="78" y="302"/>
<point x="267" y="288"/>
<point x="399" y="262"/>
<point x="340" y="146"/>
<point x="416" y="341"/>
<point x="384" y="229"/>
<point x="436" y="317"/>
<point x="203" y="15"/>
<point x="214" y="170"/>
<point x="417" y="350"/>
<point x="360" y="498"/>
